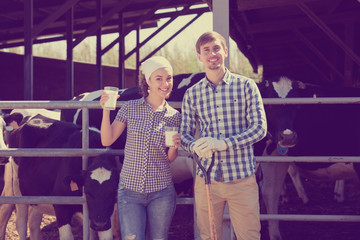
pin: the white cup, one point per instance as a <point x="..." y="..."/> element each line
<point x="110" y="104"/>
<point x="169" y="133"/>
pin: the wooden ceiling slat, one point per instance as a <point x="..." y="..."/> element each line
<point x="136" y="24"/>
<point x="288" y="24"/>
<point x="94" y="27"/>
<point x="314" y="49"/>
<point x="50" y="19"/>
<point x="311" y="63"/>
<point x="244" y="5"/>
<point x="329" y="32"/>
<point x="262" y="29"/>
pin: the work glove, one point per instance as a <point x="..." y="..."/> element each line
<point x="202" y="154"/>
<point x="204" y="147"/>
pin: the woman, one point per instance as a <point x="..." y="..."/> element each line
<point x="146" y="195"/>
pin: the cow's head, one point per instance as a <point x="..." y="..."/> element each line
<point x="100" y="181"/>
<point x="281" y="118"/>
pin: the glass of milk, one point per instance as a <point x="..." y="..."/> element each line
<point x="110" y="104"/>
<point x="169" y="133"/>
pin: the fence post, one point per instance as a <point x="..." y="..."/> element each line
<point x="85" y="146"/>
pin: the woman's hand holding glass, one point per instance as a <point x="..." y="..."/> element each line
<point x="104" y="98"/>
<point x="176" y="141"/>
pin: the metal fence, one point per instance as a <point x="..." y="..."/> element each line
<point x="85" y="152"/>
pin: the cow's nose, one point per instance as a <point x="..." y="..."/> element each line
<point x="99" y="225"/>
<point x="287" y="132"/>
<point x="288" y="138"/>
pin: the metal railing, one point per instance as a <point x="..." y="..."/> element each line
<point x="85" y="152"/>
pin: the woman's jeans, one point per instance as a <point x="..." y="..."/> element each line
<point x="150" y="212"/>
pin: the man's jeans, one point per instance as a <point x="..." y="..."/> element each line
<point x="150" y="211"/>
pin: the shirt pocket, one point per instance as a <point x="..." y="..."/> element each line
<point x="235" y="106"/>
<point x="137" y="126"/>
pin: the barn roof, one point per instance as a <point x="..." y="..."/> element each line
<point x="49" y="18"/>
<point x="28" y="22"/>
<point x="313" y="40"/>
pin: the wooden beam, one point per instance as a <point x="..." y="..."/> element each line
<point x="69" y="82"/>
<point x="330" y="33"/>
<point x="173" y="36"/>
<point x="50" y="19"/>
<point x="122" y="59"/>
<point x="244" y="5"/>
<point x="348" y="64"/>
<point x="311" y="63"/>
<point x="221" y="22"/>
<point x="93" y="28"/>
<point x="289" y="24"/>
<point x="136" y="24"/>
<point x="313" y="48"/>
<point x="238" y="32"/>
<point x="28" y="54"/>
<point x="99" y="80"/>
<point x="155" y="33"/>
<point x="333" y="5"/>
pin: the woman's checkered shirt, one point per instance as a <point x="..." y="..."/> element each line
<point x="146" y="166"/>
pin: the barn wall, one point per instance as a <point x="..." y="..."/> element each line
<point x="50" y="77"/>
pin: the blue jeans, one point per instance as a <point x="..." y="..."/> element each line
<point x="150" y="212"/>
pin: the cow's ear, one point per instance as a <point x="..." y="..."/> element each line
<point x="74" y="182"/>
<point x="17" y="117"/>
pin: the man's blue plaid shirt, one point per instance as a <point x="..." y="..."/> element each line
<point x="233" y="111"/>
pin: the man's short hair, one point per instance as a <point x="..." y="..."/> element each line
<point x="209" y="37"/>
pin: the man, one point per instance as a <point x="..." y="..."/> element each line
<point x="230" y="113"/>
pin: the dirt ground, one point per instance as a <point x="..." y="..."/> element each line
<point x="321" y="202"/>
<point x="182" y="226"/>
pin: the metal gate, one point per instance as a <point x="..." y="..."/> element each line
<point x="85" y="152"/>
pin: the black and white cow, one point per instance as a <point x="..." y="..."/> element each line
<point x="61" y="176"/>
<point x="307" y="130"/>
<point x="12" y="120"/>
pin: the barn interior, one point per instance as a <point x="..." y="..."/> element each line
<point x="314" y="41"/>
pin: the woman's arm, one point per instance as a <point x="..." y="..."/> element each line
<point x="109" y="133"/>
